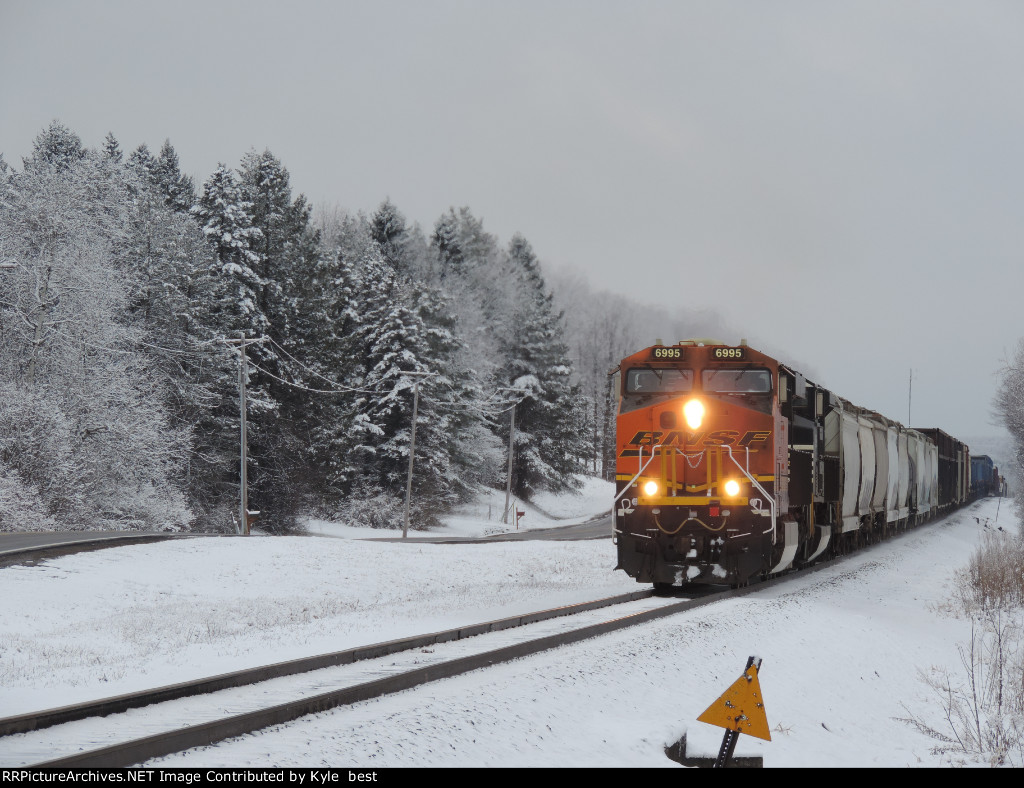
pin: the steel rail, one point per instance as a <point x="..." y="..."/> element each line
<point x="140" y="750"/>
<point x="155" y="746"/>
<point x="31" y="721"/>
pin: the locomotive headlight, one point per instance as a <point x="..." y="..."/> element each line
<point x="732" y="488"/>
<point x="694" y="413"/>
<point x="650" y="488"/>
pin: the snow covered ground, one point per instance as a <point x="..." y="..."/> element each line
<point x="482" y="517"/>
<point x="842" y="648"/>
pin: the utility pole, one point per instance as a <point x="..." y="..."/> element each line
<point x="508" y="481"/>
<point x="412" y="444"/>
<point x="243" y="376"/>
<point x="910" y="394"/>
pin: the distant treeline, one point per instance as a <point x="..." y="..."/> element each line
<point x="125" y="291"/>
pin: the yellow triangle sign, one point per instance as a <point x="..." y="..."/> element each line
<point x="741" y="708"/>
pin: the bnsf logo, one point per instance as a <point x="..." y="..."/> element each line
<point x="717" y="438"/>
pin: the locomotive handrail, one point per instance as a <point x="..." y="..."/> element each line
<point x="632" y="481"/>
<point x="642" y="469"/>
<point x="744" y="471"/>
<point x="764" y="492"/>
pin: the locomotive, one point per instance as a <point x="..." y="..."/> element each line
<point x="732" y="467"/>
<point x="985" y="478"/>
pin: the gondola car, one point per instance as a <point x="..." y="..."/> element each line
<point x="732" y="467"/>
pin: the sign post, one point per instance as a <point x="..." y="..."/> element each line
<point x="511" y="449"/>
<point x="740" y="709"/>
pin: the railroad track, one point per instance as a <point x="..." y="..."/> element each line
<point x="131" y="729"/>
<point x="106" y="733"/>
<point x="29" y="548"/>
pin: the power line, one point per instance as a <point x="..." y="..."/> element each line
<point x="340" y="387"/>
<point x="106" y="349"/>
<point x="453" y="407"/>
<point x="209" y="343"/>
<point x="311" y="371"/>
<point x="306" y="388"/>
<point x="341" y="390"/>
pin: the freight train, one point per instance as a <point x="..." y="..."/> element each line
<point x="985" y="478"/>
<point x="733" y="467"/>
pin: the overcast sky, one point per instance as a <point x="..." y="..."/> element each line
<point x="842" y="180"/>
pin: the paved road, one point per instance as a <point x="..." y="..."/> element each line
<point x="601" y="528"/>
<point x="35" y="539"/>
<point x="27" y="546"/>
<point x="64" y="542"/>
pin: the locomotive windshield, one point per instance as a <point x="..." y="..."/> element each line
<point x="651" y="380"/>
<point x="737" y="381"/>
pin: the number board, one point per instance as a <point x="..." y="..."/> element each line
<point x="729" y="353"/>
<point x="670" y="353"/>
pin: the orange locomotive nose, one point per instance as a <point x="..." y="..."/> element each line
<point x="695" y="463"/>
<point x="679" y="463"/>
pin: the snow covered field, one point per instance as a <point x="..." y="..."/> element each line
<point x="841" y="648"/>
<point x="482" y="517"/>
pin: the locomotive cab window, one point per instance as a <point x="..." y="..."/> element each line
<point x="651" y="380"/>
<point x="737" y="381"/>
